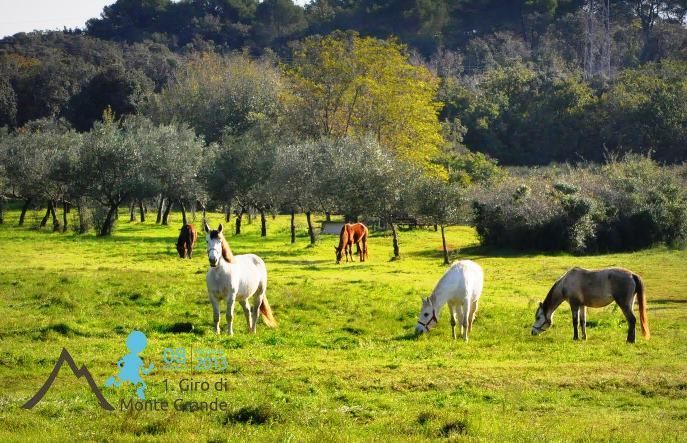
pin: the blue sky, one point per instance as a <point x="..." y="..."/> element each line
<point x="29" y="15"/>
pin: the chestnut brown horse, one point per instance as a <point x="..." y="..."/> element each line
<point x="186" y="241"/>
<point x="352" y="233"/>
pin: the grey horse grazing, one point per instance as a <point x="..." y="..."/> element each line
<point x="583" y="288"/>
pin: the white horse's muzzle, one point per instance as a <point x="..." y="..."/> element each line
<point x="213" y="258"/>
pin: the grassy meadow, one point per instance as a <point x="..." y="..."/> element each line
<point x="343" y="365"/>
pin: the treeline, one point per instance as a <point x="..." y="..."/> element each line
<point x="515" y="111"/>
<point x="138" y="164"/>
<point x="482" y="30"/>
<point x="626" y="204"/>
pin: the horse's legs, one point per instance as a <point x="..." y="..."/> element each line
<point x="465" y="315"/>
<point x="230" y="313"/>
<point x="189" y="248"/>
<point x="583" y="321"/>
<point x="214" y="299"/>
<point x="473" y="311"/>
<point x="452" y="311"/>
<point x="255" y="310"/>
<point x="246" y="313"/>
<point x="631" y="319"/>
<point x="458" y="309"/>
<point x="575" y="308"/>
<point x="350" y="251"/>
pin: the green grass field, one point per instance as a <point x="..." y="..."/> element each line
<point x="343" y="364"/>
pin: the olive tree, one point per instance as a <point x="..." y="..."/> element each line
<point x="439" y="201"/>
<point x="173" y="155"/>
<point x="366" y="179"/>
<point x="298" y="176"/>
<point x="40" y="162"/>
<point x="239" y="170"/>
<point x="111" y="165"/>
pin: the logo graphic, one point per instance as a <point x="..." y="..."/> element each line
<point x="83" y="372"/>
<point x="131" y="364"/>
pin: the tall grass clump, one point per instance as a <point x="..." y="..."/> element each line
<point x="625" y="204"/>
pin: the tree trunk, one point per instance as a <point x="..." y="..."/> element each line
<point x="394" y="236"/>
<point x="106" y="228"/>
<point x="44" y="221"/>
<point x="2" y="210"/>
<point x="132" y="211"/>
<point x="55" y="220"/>
<point x="183" y="212"/>
<point x="165" y="215"/>
<point x="250" y="217"/>
<point x="160" y="207"/>
<point x="239" y="217"/>
<point x="141" y="211"/>
<point x="24" y="208"/>
<point x="311" y="231"/>
<point x="328" y="216"/>
<point x="263" y="224"/>
<point x="443" y="242"/>
<point x="82" y="222"/>
<point x="227" y="213"/>
<point x="293" y="226"/>
<point x="65" y="211"/>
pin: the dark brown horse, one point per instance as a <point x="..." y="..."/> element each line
<point x="186" y="241"/>
<point x="352" y="233"/>
<point x="596" y="289"/>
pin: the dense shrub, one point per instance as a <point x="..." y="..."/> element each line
<point x="625" y="204"/>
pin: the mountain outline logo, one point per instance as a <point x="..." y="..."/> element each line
<point x="65" y="357"/>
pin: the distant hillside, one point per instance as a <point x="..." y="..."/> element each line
<point x="528" y="81"/>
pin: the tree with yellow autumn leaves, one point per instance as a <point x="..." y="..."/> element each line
<point x="347" y="85"/>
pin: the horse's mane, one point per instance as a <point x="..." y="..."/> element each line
<point x="226" y="250"/>
<point x="548" y="297"/>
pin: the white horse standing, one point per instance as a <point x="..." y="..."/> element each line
<point x="236" y="278"/>
<point x="459" y="288"/>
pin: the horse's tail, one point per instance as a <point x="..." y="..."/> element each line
<point x="641" y="298"/>
<point x="266" y="313"/>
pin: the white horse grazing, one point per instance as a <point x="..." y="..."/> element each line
<point x="460" y="288"/>
<point x="236" y="278"/>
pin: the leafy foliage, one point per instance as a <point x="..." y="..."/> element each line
<point x="626" y="204"/>
<point x="216" y="94"/>
<point x="349" y="85"/>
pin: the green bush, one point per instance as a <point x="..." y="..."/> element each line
<point x="626" y="204"/>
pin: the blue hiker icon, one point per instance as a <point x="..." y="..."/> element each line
<point x="131" y="363"/>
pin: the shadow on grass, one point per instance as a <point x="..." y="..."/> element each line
<point x="666" y="301"/>
<point x="477" y="252"/>
<point x="408" y="336"/>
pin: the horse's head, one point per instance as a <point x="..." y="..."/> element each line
<point x="214" y="240"/>
<point x="428" y="317"/>
<point x="542" y="320"/>
<point x="338" y="254"/>
<point x="181" y="250"/>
